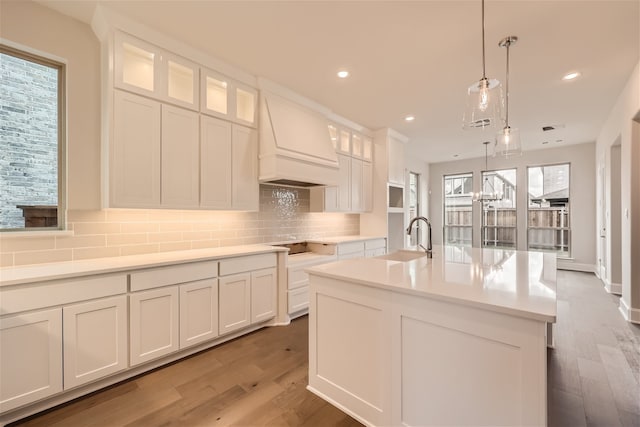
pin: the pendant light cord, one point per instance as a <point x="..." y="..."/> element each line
<point x="507" y="87"/>
<point x="484" y="72"/>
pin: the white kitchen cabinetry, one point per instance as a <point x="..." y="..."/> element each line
<point x="153" y="324"/>
<point x="375" y="247"/>
<point x="95" y="339"/>
<point x="134" y="170"/>
<point x="235" y="302"/>
<point x="244" y="169"/>
<point x="396" y="161"/>
<point x="367" y="186"/>
<point x="344" y="183"/>
<point x="357" y="185"/>
<point x="198" y="312"/>
<point x="154" y="308"/>
<point x="215" y="163"/>
<point x="148" y="70"/>
<point x="180" y="157"/>
<point x="228" y="166"/>
<point x="154" y="159"/>
<point x="30" y="357"/>
<point x="228" y="99"/>
<point x="349" y="250"/>
<point x="247" y="294"/>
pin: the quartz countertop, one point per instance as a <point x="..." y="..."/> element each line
<point x="62" y="270"/>
<point x="519" y="283"/>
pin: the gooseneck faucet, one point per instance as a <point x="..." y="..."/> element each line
<point x="429" y="248"/>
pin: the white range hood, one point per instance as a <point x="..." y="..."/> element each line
<point x="295" y="146"/>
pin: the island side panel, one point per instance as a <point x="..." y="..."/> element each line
<point x="458" y="365"/>
<point x="349" y="353"/>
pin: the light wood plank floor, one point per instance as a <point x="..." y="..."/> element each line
<point x="260" y="379"/>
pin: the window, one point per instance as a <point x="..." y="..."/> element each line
<point x="458" y="216"/>
<point x="499" y="212"/>
<point x="548" y="211"/>
<point x="414" y="206"/>
<point x="32" y="141"/>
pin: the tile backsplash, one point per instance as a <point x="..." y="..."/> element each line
<point x="284" y="215"/>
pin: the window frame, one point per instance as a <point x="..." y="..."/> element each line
<point x="45" y="59"/>
<point x="444" y="205"/>
<point x="482" y="209"/>
<point x="570" y="234"/>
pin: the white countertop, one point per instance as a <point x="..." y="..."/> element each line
<point x="513" y="282"/>
<point x="342" y="239"/>
<point x="62" y="270"/>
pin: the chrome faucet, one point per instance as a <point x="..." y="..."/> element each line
<point x="429" y="248"/>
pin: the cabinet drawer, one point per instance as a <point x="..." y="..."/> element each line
<point x="58" y="292"/>
<point x="297" y="299"/>
<point x="375" y="252"/>
<point x="297" y="277"/>
<point x="350" y="247"/>
<point x="247" y="263"/>
<point x="174" y="274"/>
<point x="375" y="244"/>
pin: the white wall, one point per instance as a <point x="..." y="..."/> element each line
<point x="620" y="126"/>
<point x="582" y="195"/>
<point x="40" y="28"/>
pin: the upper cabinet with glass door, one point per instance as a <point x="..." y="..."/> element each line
<point x="228" y="99"/>
<point x="148" y="70"/>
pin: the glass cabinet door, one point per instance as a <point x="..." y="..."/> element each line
<point x="333" y="135"/>
<point x="214" y="94"/>
<point x="181" y="81"/>
<point x="367" y="149"/>
<point x="246" y="100"/>
<point x="345" y="141"/>
<point x="356" y="145"/>
<point x="136" y="65"/>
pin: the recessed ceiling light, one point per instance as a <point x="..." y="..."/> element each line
<point x="343" y="74"/>
<point x="409" y="118"/>
<point x="570" y="76"/>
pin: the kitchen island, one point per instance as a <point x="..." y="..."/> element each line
<point x="459" y="339"/>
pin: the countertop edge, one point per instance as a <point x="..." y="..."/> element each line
<point x="35" y="273"/>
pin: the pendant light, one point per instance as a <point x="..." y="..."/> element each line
<point x="484" y="195"/>
<point x="508" y="139"/>
<point x="484" y="98"/>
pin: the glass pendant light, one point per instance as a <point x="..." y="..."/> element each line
<point x="484" y="98"/>
<point x="508" y="139"/>
<point x="488" y="192"/>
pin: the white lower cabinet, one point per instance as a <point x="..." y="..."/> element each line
<point x="153" y="324"/>
<point x="235" y="302"/>
<point x="198" y="312"/>
<point x="247" y="291"/>
<point x="263" y="295"/>
<point x="94" y="339"/>
<point x="30" y="357"/>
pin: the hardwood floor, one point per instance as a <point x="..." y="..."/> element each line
<point x="260" y="379"/>
<point x="594" y="371"/>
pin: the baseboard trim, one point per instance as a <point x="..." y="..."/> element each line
<point x="614" y="288"/>
<point x="564" y="264"/>
<point x="630" y="314"/>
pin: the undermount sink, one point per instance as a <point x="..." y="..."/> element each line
<point x="403" y="255"/>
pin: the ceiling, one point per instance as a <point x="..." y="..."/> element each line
<point x="418" y="58"/>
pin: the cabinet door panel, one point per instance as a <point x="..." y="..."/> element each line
<point x="135" y="156"/>
<point x="95" y="340"/>
<point x="367" y="187"/>
<point x="356" y="186"/>
<point x="263" y="295"/>
<point x="180" y="158"/>
<point x="234" y="302"/>
<point x="153" y="324"/>
<point x="215" y="163"/>
<point x="198" y="312"/>
<point x="245" y="168"/>
<point x="182" y="81"/>
<point x="344" y="183"/>
<point x="30" y="357"/>
<point x="137" y="65"/>
<point x="396" y="162"/>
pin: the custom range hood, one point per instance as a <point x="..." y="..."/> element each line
<point x="295" y="146"/>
